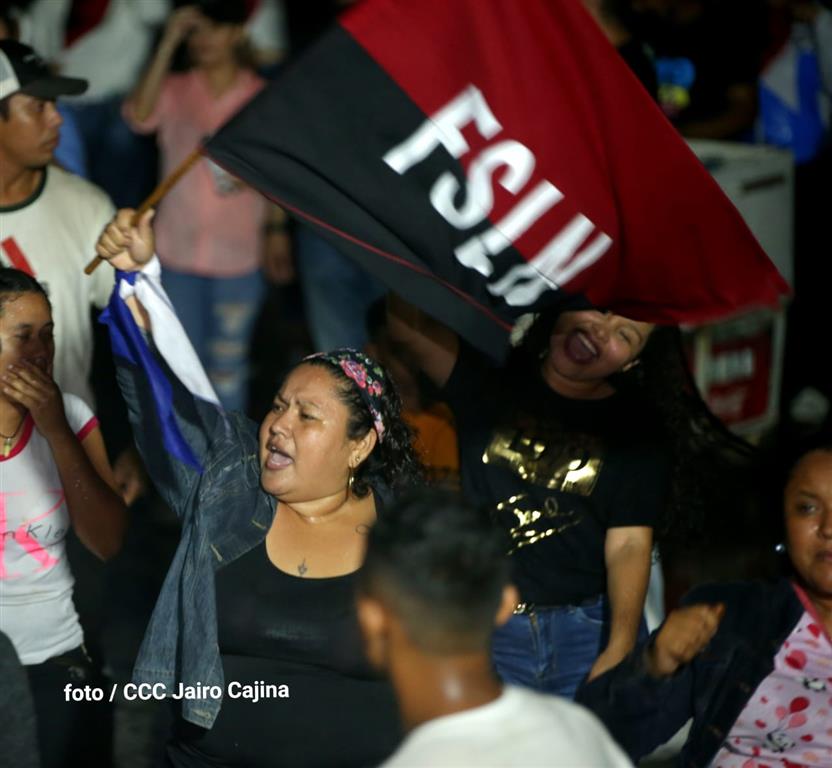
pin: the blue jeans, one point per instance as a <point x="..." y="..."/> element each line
<point x="336" y="292"/>
<point x="123" y="163"/>
<point x="218" y="314"/>
<point x="552" y="649"/>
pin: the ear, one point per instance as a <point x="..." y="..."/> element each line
<point x="510" y="599"/>
<point x="362" y="448"/>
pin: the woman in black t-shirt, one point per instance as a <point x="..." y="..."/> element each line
<point x="573" y="460"/>
<point x="255" y="634"/>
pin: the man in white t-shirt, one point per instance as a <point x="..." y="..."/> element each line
<point x="50" y="221"/>
<point x="433" y="587"/>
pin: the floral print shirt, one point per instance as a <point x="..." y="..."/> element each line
<point x="787" y="722"/>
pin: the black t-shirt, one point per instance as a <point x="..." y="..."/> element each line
<point x="282" y="629"/>
<point x="557" y="472"/>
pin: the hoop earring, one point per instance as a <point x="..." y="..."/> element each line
<point x="632" y="364"/>
<point x="351" y="480"/>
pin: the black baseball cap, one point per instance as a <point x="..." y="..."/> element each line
<point x="23" y="71"/>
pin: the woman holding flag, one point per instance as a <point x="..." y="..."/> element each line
<point x="213" y="231"/>
<point x="254" y="634"/>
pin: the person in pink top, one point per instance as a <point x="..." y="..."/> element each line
<point x="749" y="662"/>
<point x="210" y="227"/>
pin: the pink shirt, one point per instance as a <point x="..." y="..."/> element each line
<point x="207" y="224"/>
<point x="787" y="722"/>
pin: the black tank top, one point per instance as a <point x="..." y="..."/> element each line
<point x="301" y="633"/>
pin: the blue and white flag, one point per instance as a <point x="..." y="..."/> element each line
<point x="171" y="341"/>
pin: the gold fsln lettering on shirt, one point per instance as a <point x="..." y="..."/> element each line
<point x="547" y="522"/>
<point x="571" y="465"/>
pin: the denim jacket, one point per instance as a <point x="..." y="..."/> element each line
<point x="643" y="712"/>
<point x="224" y="514"/>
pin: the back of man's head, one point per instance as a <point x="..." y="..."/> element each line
<point x="439" y="566"/>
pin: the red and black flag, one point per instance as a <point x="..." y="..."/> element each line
<point x="481" y="156"/>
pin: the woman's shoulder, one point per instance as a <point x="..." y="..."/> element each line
<point x="246" y="85"/>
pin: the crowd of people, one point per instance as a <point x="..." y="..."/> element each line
<point x="416" y="556"/>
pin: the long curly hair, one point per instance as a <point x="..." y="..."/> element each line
<point x="707" y="461"/>
<point x="392" y="463"/>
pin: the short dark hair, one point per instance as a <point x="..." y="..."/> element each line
<point x="815" y="443"/>
<point x="440" y="565"/>
<point x="775" y="466"/>
<point x="14" y="282"/>
<point x="791" y="455"/>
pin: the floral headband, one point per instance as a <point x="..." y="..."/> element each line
<point x="367" y="374"/>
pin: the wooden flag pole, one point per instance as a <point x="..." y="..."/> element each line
<point x="161" y="190"/>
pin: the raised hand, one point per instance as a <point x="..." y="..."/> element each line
<point x="180" y="24"/>
<point x="683" y="635"/>
<point x="36" y="391"/>
<point x="127" y="246"/>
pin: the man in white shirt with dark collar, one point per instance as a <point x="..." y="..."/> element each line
<point x="50" y="221"/>
<point x="433" y="586"/>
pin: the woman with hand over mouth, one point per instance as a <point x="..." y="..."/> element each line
<point x="54" y="476"/>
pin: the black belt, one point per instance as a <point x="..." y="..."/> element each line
<point x="528" y="609"/>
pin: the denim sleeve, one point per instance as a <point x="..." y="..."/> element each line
<point x="202" y="425"/>
<point x="641" y="712"/>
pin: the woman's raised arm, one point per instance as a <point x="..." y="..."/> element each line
<point x="175" y="414"/>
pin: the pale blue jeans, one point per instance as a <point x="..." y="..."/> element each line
<point x="218" y="314"/>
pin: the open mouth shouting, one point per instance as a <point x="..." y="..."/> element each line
<point x="276" y="459"/>
<point x="580" y="348"/>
